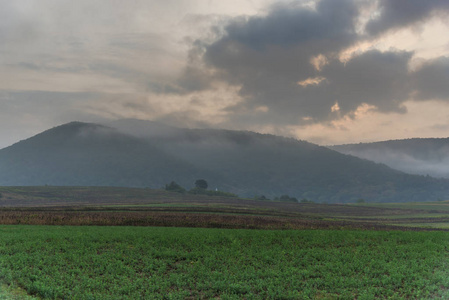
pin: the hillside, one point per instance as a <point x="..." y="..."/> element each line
<point x="89" y="155"/>
<point x="415" y="156"/>
<point x="245" y="163"/>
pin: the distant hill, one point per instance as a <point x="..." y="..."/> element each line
<point x="90" y="155"/>
<point x="428" y="156"/>
<point x="147" y="154"/>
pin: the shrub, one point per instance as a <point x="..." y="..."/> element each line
<point x="261" y="198"/>
<point x="174" y="187"/>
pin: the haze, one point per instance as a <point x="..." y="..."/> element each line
<point x="329" y="71"/>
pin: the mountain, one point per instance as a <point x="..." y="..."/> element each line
<point x="92" y="155"/>
<point x="423" y="156"/>
<point x="144" y="128"/>
<point x="147" y="154"/>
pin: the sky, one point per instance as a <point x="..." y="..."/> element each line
<point x="329" y="71"/>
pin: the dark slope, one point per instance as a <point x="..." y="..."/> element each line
<point x="242" y="162"/>
<point x="275" y="165"/>
<point x="89" y="154"/>
<point x="428" y="156"/>
<point x="254" y="163"/>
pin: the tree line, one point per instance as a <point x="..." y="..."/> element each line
<point x="200" y="188"/>
<point x="201" y="185"/>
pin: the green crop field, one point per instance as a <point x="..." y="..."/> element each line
<point x="305" y="250"/>
<point x="79" y="262"/>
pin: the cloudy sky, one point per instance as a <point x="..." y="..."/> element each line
<point x="329" y="71"/>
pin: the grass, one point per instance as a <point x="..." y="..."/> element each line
<point x="68" y="262"/>
<point x="432" y="225"/>
<point x="405" y="216"/>
<point x="13" y="293"/>
<point x="123" y="262"/>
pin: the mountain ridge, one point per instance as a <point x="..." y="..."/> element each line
<point x="421" y="156"/>
<point x="241" y="162"/>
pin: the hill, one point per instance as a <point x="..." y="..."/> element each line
<point x="89" y="155"/>
<point x="428" y="156"/>
<point x="241" y="162"/>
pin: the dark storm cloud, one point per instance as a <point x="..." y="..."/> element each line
<point x="401" y="13"/>
<point x="331" y="23"/>
<point x="431" y="81"/>
<point x="280" y="43"/>
<point x="269" y="58"/>
<point x="269" y="55"/>
<point x="376" y="78"/>
<point x="284" y="41"/>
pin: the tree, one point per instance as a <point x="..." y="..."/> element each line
<point x="174" y="187"/>
<point x="201" y="184"/>
<point x="261" y="198"/>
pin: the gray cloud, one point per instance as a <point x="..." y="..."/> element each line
<point x="194" y="79"/>
<point x="260" y="44"/>
<point x="401" y="13"/>
<point x="376" y="78"/>
<point x="431" y="81"/>
<point x="288" y="30"/>
<point x="134" y="60"/>
<point x="25" y="113"/>
<point x="269" y="57"/>
<point x="330" y="25"/>
<point x="47" y="106"/>
<point x="187" y="118"/>
<point x="191" y="80"/>
<point x="90" y="38"/>
<point x="17" y="25"/>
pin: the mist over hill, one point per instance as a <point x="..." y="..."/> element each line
<point x="138" y="153"/>
<point x="423" y="156"/>
<point x="89" y="154"/>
